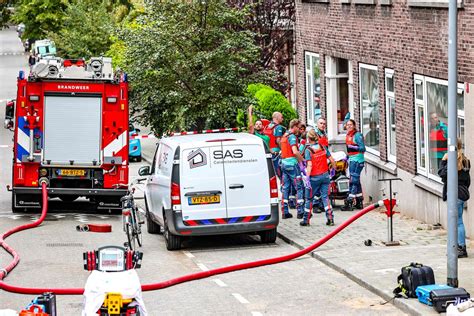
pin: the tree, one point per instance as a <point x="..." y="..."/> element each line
<point x="86" y="30"/>
<point x="189" y="64"/>
<point x="273" y="23"/>
<point x="40" y="17"/>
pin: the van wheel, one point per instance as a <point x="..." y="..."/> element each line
<point x="173" y="242"/>
<point x="268" y="236"/>
<point x="151" y="226"/>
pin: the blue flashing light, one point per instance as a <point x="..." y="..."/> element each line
<point x="125" y="77"/>
<point x="21" y="75"/>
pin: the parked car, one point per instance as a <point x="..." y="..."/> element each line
<point x="211" y="184"/>
<point x="134" y="145"/>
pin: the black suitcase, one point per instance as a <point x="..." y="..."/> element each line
<point x="443" y="297"/>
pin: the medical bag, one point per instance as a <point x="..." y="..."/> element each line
<point x="413" y="276"/>
<point x="441" y="298"/>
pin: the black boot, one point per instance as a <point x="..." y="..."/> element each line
<point x="359" y="203"/>
<point x="462" y="252"/>
<point x="306" y="217"/>
<point x="347" y="205"/>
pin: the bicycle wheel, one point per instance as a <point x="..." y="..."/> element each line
<point x="137" y="227"/>
<point x="130" y="236"/>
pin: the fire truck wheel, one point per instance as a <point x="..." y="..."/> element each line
<point x="14" y="208"/>
<point x="68" y="198"/>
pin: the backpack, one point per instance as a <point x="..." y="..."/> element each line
<point x="411" y="277"/>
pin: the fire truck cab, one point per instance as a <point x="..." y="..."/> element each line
<point x="70" y="126"/>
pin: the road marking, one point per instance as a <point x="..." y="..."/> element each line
<point x="58" y="216"/>
<point x="385" y="271"/>
<point x="240" y="298"/>
<point x="257" y="314"/>
<point x="188" y="254"/>
<point x="15" y="216"/>
<point x="202" y="267"/>
<point x="220" y="283"/>
<point x="4" y="146"/>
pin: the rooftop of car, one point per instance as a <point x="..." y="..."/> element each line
<point x="214" y="137"/>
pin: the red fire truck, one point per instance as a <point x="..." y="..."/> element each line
<point x="70" y="125"/>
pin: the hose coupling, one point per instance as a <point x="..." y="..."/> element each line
<point x="5" y="273"/>
<point x="44" y="180"/>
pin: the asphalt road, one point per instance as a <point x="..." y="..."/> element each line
<point x="51" y="256"/>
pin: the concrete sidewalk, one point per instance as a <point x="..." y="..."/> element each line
<point x="376" y="267"/>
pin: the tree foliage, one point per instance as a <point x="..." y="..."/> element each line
<point x="190" y="63"/>
<point x="40" y="17"/>
<point x="273" y="23"/>
<point x="269" y="100"/>
<point x="86" y="30"/>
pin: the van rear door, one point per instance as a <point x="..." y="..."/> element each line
<point x="203" y="194"/>
<point x="247" y="179"/>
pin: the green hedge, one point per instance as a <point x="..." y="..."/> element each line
<point x="268" y="100"/>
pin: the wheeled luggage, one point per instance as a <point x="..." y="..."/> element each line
<point x="424" y="291"/>
<point x="441" y="298"/>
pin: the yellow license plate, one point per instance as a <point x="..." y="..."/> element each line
<point x="205" y="199"/>
<point x="72" y="172"/>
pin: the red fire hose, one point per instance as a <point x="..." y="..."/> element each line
<point x="168" y="283"/>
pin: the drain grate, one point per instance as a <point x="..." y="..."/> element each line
<point x="65" y="244"/>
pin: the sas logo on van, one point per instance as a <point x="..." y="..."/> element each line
<point x="197" y="158"/>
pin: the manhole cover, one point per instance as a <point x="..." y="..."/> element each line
<point x="65" y="244"/>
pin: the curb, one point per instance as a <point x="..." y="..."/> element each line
<point x="399" y="303"/>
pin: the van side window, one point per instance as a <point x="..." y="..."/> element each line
<point x="154" y="159"/>
<point x="164" y="159"/>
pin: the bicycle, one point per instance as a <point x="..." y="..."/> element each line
<point x="131" y="218"/>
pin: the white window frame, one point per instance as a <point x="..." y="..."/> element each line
<point x="309" y="78"/>
<point x="423" y="103"/>
<point x="361" y="108"/>
<point x="389" y="74"/>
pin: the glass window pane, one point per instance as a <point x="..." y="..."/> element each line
<point x="461" y="131"/>
<point x="421" y="137"/>
<point x="370" y="107"/>
<point x="342" y="103"/>
<point x="437" y="107"/>
<point x="307" y="62"/>
<point x="316" y="88"/>
<point x="419" y="90"/>
<point x="391" y="129"/>
<point x="389" y="84"/>
<point x="460" y="101"/>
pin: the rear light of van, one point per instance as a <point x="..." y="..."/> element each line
<point x="273" y="187"/>
<point x="175" y="194"/>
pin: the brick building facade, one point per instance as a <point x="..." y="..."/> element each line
<point x="385" y="62"/>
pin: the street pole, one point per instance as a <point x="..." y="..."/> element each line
<point x="452" y="148"/>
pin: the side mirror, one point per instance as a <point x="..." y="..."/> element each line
<point x="144" y="171"/>
<point x="9" y="114"/>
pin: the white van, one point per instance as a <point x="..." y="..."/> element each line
<point x="211" y="184"/>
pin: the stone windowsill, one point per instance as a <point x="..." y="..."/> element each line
<point x="385" y="2"/>
<point x="316" y="1"/>
<point x="428" y="185"/>
<point x="364" y="2"/>
<point x="386" y="166"/>
<point x="339" y="139"/>
<point x="345" y="1"/>
<point x="432" y="3"/>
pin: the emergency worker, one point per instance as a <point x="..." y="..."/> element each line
<point x="438" y="141"/>
<point x="257" y="128"/>
<point x="301" y="146"/>
<point x="321" y="131"/>
<point x="317" y="174"/>
<point x="318" y="206"/>
<point x="291" y="170"/>
<point x="355" y="150"/>
<point x="275" y="131"/>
